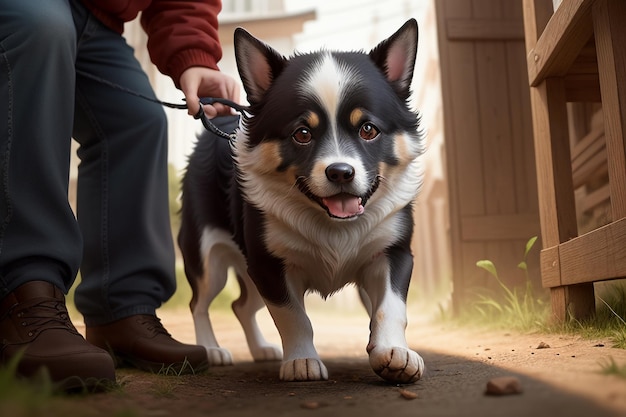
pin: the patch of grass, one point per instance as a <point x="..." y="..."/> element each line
<point x="20" y="397"/>
<point x="175" y="370"/>
<point x="610" y="367"/>
<point x="164" y="388"/>
<point x="39" y="396"/>
<point x="514" y="308"/>
<point x="609" y="320"/>
<point x="15" y="391"/>
<point x="521" y="309"/>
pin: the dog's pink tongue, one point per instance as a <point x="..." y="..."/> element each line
<point x="343" y="205"/>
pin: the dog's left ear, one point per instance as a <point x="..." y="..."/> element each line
<point x="258" y="64"/>
<point x="395" y="56"/>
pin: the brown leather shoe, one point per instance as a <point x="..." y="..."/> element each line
<point x="34" y="323"/>
<point x="142" y="342"/>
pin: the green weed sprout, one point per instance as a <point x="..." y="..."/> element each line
<point x="524" y="311"/>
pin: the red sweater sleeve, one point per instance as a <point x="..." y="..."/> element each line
<point x="182" y="34"/>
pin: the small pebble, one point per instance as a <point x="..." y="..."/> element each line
<point x="409" y="395"/>
<point x="310" y="405"/>
<point x="504" y="385"/>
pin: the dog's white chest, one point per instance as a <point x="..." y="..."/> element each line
<point x="326" y="260"/>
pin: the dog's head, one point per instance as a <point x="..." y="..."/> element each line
<point x="330" y="131"/>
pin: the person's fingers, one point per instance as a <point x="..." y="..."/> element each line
<point x="201" y="82"/>
<point x="189" y="84"/>
<point x="216" y="109"/>
<point x="192" y="100"/>
<point x="210" y="111"/>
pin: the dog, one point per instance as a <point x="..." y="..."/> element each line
<point x="314" y="192"/>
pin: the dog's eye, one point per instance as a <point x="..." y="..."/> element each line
<point x="302" y="136"/>
<point x="368" y="131"/>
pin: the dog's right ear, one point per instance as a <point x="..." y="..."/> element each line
<point x="258" y="64"/>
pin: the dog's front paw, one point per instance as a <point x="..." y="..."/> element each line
<point x="267" y="353"/>
<point x="309" y="369"/>
<point x="219" y="356"/>
<point x="397" y="364"/>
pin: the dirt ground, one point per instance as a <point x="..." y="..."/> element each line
<point x="564" y="379"/>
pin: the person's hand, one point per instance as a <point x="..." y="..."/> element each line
<point x="198" y="82"/>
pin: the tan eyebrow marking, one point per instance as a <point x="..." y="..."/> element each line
<point x="313" y="120"/>
<point x="356" y="116"/>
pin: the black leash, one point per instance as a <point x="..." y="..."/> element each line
<point x="206" y="122"/>
<point x="208" y="125"/>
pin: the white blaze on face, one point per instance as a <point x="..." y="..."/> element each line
<point x="326" y="82"/>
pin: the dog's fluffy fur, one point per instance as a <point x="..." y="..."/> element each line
<point x="315" y="192"/>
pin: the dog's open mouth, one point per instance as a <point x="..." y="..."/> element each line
<point x="342" y="205"/>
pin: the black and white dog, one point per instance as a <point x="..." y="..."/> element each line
<point x="313" y="193"/>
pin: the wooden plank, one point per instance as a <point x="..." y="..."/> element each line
<point x="558" y="300"/>
<point x="554" y="169"/>
<point x="592" y="167"/>
<point x="610" y="33"/>
<point x="587" y="146"/>
<point x="446" y="9"/>
<point x="474" y="277"/>
<point x="495" y="128"/>
<point x="580" y="300"/>
<point x="484" y="29"/>
<point x="595" y="198"/>
<point x="588" y="157"/>
<point x="583" y="88"/>
<point x="464" y="132"/>
<point x="550" y="267"/>
<point x="536" y="14"/>
<point x="595" y="256"/>
<point x="521" y="226"/>
<point x="486" y="9"/>
<point x="586" y="61"/>
<point x="512" y="10"/>
<point x="450" y="9"/>
<point x="566" y="33"/>
<point x="576" y="301"/>
<point x="521" y="131"/>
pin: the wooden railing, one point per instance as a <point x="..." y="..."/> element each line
<point x="575" y="54"/>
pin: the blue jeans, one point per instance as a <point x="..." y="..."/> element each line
<point x="121" y="238"/>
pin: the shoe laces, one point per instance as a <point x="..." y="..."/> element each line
<point x="43" y="314"/>
<point x="153" y="324"/>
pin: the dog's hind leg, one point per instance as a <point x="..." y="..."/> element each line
<point x="217" y="250"/>
<point x="245" y="308"/>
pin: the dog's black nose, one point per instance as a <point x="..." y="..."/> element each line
<point x="340" y="172"/>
